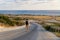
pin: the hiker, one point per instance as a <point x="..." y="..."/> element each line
<point x="27" y="25"/>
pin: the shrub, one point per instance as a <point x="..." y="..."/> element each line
<point x="47" y="27"/>
<point x="11" y="21"/>
<point x="6" y="20"/>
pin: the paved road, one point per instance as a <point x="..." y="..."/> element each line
<point x="39" y="33"/>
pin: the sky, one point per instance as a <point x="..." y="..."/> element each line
<point x="29" y="4"/>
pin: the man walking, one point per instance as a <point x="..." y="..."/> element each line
<point x="27" y="25"/>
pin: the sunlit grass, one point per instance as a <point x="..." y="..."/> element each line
<point x="11" y="21"/>
<point x="57" y="34"/>
<point x="52" y="27"/>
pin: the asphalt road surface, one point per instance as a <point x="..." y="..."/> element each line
<point x="39" y="33"/>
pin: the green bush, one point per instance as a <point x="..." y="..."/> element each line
<point x="19" y="23"/>
<point x="2" y="21"/>
<point x="11" y="21"/>
<point x="47" y="27"/>
<point x="6" y="20"/>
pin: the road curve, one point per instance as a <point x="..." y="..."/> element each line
<point x="39" y="33"/>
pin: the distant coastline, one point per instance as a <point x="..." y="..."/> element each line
<point x="33" y="12"/>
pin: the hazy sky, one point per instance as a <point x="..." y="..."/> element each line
<point x="29" y="4"/>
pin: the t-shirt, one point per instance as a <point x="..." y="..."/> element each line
<point x="26" y="22"/>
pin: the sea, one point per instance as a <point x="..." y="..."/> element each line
<point x="32" y="12"/>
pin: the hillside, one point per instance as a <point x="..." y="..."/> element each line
<point x="6" y="20"/>
<point x="18" y="20"/>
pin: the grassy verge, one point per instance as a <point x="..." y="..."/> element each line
<point x="57" y="34"/>
<point x="8" y="21"/>
<point x="52" y="27"/>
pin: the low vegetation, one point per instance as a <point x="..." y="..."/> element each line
<point x="52" y="27"/>
<point x="11" y="21"/>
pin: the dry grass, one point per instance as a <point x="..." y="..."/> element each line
<point x="58" y="18"/>
<point x="23" y="17"/>
<point x="37" y="17"/>
<point x="57" y="34"/>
